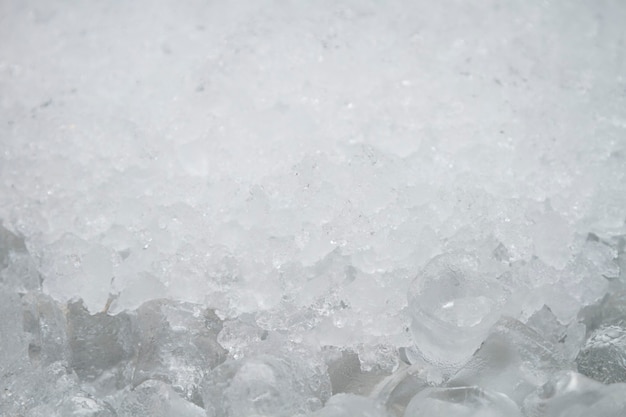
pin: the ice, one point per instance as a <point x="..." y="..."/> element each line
<point x="82" y="406"/>
<point x="101" y="347"/>
<point x="397" y="390"/>
<point x="282" y="197"/>
<point x="513" y="360"/>
<point x="603" y="357"/>
<point x="571" y="394"/>
<point x="178" y="345"/>
<point x="453" y="304"/>
<point x="14" y="342"/>
<point x="567" y="339"/>
<point x="347" y="376"/>
<point x="46" y="322"/>
<point x="74" y="268"/>
<point x="158" y="399"/>
<point x="263" y="385"/>
<point x="17" y="268"/>
<point x="461" y="402"/>
<point x="347" y="405"/>
<point x="53" y="390"/>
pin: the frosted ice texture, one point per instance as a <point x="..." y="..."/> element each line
<point x="192" y="186"/>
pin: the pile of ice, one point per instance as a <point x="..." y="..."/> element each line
<point x="284" y="208"/>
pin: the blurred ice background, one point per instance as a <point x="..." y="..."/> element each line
<point x="278" y="208"/>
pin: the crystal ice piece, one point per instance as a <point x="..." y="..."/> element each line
<point x="157" y="399"/>
<point x="82" y="405"/>
<point x="350" y="405"/>
<point x="461" y="402"/>
<point x="46" y="324"/>
<point x="13" y="340"/>
<point x="346" y="375"/>
<point x="452" y="306"/>
<point x="9" y="242"/>
<point x="603" y="357"/>
<point x="570" y="394"/>
<point x="53" y="390"/>
<point x="101" y="346"/>
<point x="177" y="345"/>
<point x="398" y="389"/>
<point x="611" y="310"/>
<point x="262" y="385"/>
<point x="514" y="360"/>
<point x="17" y="268"/>
<point x="567" y="339"/>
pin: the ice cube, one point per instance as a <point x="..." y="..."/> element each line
<point x="350" y="405"/>
<point x="603" y="357"/>
<point x="570" y="394"/>
<point x="178" y="345"/>
<point x="461" y="402"/>
<point x="9" y="242"/>
<point x="346" y="374"/>
<point x="398" y="389"/>
<point x="611" y="310"/>
<point x="101" y="346"/>
<point x="13" y="340"/>
<point x="83" y="405"/>
<point x="262" y="385"/>
<point x="53" y="390"/>
<point x="513" y="360"/>
<point x="453" y="305"/>
<point x="45" y="321"/>
<point x="157" y="399"/>
<point x="568" y="339"/>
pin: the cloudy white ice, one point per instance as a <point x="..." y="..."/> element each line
<point x="294" y="208"/>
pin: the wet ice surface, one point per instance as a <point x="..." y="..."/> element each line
<point x="335" y="209"/>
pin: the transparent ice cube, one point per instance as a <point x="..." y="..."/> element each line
<point x="262" y="385"/>
<point x="461" y="402"/>
<point x="101" y="346"/>
<point x="513" y="360"/>
<point x="397" y="390"/>
<point x="45" y="321"/>
<point x="453" y="305"/>
<point x="350" y="405"/>
<point x="177" y="345"/>
<point x="570" y="394"/>
<point x="157" y="399"/>
<point x="346" y="374"/>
